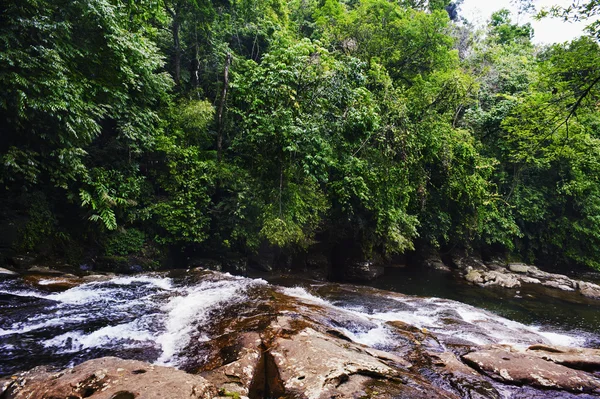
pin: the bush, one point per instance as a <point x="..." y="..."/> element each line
<point x="125" y="242"/>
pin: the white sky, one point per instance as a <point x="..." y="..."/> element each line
<point x="547" y="30"/>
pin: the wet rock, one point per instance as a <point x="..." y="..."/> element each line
<point x="314" y="365"/>
<point x="110" y="378"/>
<point x="206" y="263"/>
<point x="5" y="273"/>
<point x="518" y="267"/>
<point x="98" y="277"/>
<point x="237" y="376"/>
<point x="235" y="264"/>
<point x="523" y="369"/>
<point x="463" y="378"/>
<point x="589" y="290"/>
<point x="52" y="283"/>
<point x="578" y="358"/>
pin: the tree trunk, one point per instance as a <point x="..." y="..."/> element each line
<point x="222" y="106"/>
<point x="177" y="48"/>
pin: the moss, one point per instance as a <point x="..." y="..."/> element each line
<point x="224" y="392"/>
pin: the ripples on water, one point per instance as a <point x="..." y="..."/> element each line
<point x="153" y="318"/>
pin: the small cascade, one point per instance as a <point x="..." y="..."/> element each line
<point x="158" y="318"/>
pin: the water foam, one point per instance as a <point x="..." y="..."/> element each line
<point x="302" y="293"/>
<point x="193" y="308"/>
<point x="448" y="319"/>
<point x="124" y="335"/>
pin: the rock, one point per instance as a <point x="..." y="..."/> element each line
<point x="43" y="270"/>
<point x="518" y="267"/>
<point x="474" y="276"/>
<point x="205" y="263"/>
<point x="362" y="271"/>
<point x="521" y="368"/>
<point x="589" y="290"/>
<point x="530" y="280"/>
<point x="98" y="277"/>
<point x="432" y="259"/>
<point x="314" y="365"/>
<point x="462" y="261"/>
<point x="506" y="280"/>
<point x="578" y="358"/>
<point x="237" y="376"/>
<point x="85" y="267"/>
<point x="5" y="273"/>
<point x="54" y="284"/>
<point x="463" y="378"/>
<point x="22" y="261"/>
<point x="496" y="264"/>
<point x="235" y="264"/>
<point x="563" y="285"/>
<point x="111" y="378"/>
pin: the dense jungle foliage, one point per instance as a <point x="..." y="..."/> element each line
<point x="227" y="125"/>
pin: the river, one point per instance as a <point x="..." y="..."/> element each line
<point x="154" y="317"/>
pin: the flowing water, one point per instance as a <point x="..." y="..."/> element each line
<point x="155" y="317"/>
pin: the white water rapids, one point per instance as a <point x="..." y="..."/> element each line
<point x="154" y="318"/>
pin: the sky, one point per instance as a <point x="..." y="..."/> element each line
<point x="548" y="30"/>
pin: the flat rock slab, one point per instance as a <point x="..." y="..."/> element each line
<point x="313" y="365"/>
<point x="578" y="358"/>
<point x="110" y="378"/>
<point x="523" y="369"/>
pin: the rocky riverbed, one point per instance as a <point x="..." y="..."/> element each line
<point x="203" y="334"/>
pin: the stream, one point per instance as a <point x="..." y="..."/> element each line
<point x="154" y="317"/>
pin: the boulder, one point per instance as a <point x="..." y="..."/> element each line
<point x="589" y="290"/>
<point x="506" y="280"/>
<point x="110" y="378"/>
<point x="474" y="276"/>
<point x="518" y="267"/>
<point x="526" y="369"/>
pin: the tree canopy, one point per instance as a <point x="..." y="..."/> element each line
<point x="228" y="125"/>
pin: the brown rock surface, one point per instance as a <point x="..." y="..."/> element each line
<point x="524" y="369"/>
<point x="579" y="358"/>
<point x="110" y="378"/>
<point x="52" y="283"/>
<point x="314" y="365"/>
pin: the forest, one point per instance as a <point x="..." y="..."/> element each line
<point x="218" y="127"/>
